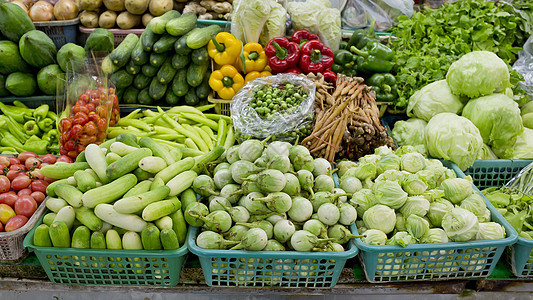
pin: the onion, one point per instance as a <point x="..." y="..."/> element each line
<point x="41" y="11"/>
<point x="22" y="5"/>
<point x="65" y="10"/>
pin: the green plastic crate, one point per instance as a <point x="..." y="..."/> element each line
<point x="109" y="267"/>
<point x="495" y="172"/>
<point x="440" y="261"/>
<point x="290" y="269"/>
<point x="520" y="258"/>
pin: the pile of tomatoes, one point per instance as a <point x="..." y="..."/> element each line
<point x="23" y="187"/>
<point x="87" y="123"/>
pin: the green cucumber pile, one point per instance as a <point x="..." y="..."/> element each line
<point x="167" y="64"/>
<point x="122" y="194"/>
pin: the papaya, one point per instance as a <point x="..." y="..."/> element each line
<point x="3" y="91"/>
<point x="100" y="39"/>
<point x="14" y="21"/>
<point x="10" y="59"/>
<point x="37" y="49"/>
<point x="21" y="84"/>
<point x="72" y="56"/>
<point x="47" y="79"/>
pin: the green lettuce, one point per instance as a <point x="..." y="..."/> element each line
<point x="522" y="148"/>
<point x="433" y="99"/>
<point x="411" y="132"/>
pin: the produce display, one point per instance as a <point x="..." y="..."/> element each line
<point x="44" y="11"/>
<point x="23" y="187"/>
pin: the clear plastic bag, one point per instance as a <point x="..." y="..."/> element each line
<point x="524" y="65"/>
<point x="360" y="13"/>
<point x="286" y="127"/>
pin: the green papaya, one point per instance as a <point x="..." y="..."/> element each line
<point x="3" y="91"/>
<point x="10" y="59"/>
<point x="21" y="84"/>
<point x="47" y="79"/>
<point x="71" y="55"/>
<point x="14" y="21"/>
<point x="37" y="49"/>
<point x="100" y="39"/>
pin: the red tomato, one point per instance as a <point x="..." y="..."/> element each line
<point x="64" y="125"/>
<point x="38" y="196"/>
<point x="26" y="191"/>
<point x="3" y="169"/>
<point x="4" y="161"/>
<point x="49" y="158"/>
<point x="102" y="124"/>
<point x="64" y="158"/>
<point x="101" y="111"/>
<point x="16" y="222"/>
<point x="17" y="167"/>
<point x="114" y="98"/>
<point x="112" y="122"/>
<point x="70" y="145"/>
<point x="90" y="107"/>
<point x="44" y="165"/>
<point x="6" y="213"/>
<point x="11" y="174"/>
<point x="9" y="198"/>
<point x="13" y="161"/>
<point x="39" y="186"/>
<point x="65" y="136"/>
<point x="87" y="139"/>
<point x="76" y="131"/>
<point x="83" y="97"/>
<point x="20" y="182"/>
<point x="32" y="163"/>
<point x="72" y="154"/>
<point x="80" y="118"/>
<point x="49" y="180"/>
<point x="80" y="148"/>
<point x="95" y="103"/>
<point x="90" y="128"/>
<point x="101" y="136"/>
<point x="5" y="184"/>
<point x="25" y="155"/>
<point x="25" y="206"/>
<point x="36" y="174"/>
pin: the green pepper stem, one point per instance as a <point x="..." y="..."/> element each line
<point x="372" y="26"/>
<point x="227" y="81"/>
<point x="253" y="55"/>
<point x="386" y="88"/>
<point x="220" y="46"/>
<point x="316" y="56"/>
<point x="358" y="51"/>
<point x="281" y="53"/>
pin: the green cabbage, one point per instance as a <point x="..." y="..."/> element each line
<point x="275" y="25"/>
<point x="389" y="193"/>
<point x="476" y="205"/>
<point x="460" y="225"/>
<point x="401" y="238"/>
<point x="454" y="138"/>
<point x="329" y="27"/>
<point x="362" y="200"/>
<point x="490" y="231"/>
<point x="380" y="217"/>
<point x="486" y="153"/>
<point x="437" y="210"/>
<point x="434" y="235"/>
<point x="417" y="226"/>
<point x="413" y="162"/>
<point x="388" y="162"/>
<point x="414" y="185"/>
<point x="457" y="189"/>
<point x="520" y="149"/>
<point x="400" y="223"/>
<point x="497" y="117"/>
<point x="433" y="99"/>
<point x="249" y="17"/>
<point x="411" y="132"/>
<point x="374" y="237"/>
<point x="416" y="205"/>
<point x="478" y="73"/>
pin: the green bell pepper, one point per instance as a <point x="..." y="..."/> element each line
<point x="51" y="136"/>
<point x="40" y="112"/>
<point x="19" y="114"/>
<point x="375" y="58"/>
<point x="46" y="124"/>
<point x="344" y="62"/>
<point x="361" y="37"/>
<point x="31" y="128"/>
<point x="384" y="84"/>
<point x="38" y="147"/>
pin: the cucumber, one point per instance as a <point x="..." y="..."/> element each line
<point x="120" y="231"/>
<point x="157" y="149"/>
<point x="148" y="38"/>
<point x="144" y="97"/>
<point x="59" y="234"/>
<point x="66" y="215"/>
<point x="180" y="46"/>
<point x="196" y="73"/>
<point x="121" y="79"/>
<point x="41" y="236"/>
<point x="150" y="238"/>
<point x="84" y="181"/>
<point x="107" y="66"/>
<point x="200" y="37"/>
<point x="111" y="157"/>
<point x="200" y="56"/>
<point x="157" y="59"/>
<point x="109" y="192"/>
<point x="152" y="164"/>
<point x="63" y="170"/>
<point x="55" y="204"/>
<point x="149" y="71"/>
<point x="158" y="24"/>
<point x="176" y="168"/>
<point x="131" y="240"/>
<point x="141" y="81"/>
<point x="122" y="53"/>
<point x="141" y="187"/>
<point x="48" y="219"/>
<point x="167" y="72"/>
<point x="71" y="194"/>
<point x="112" y="240"/>
<point x="180" y="61"/>
<point x="121" y="148"/>
<point x="158" y="182"/>
<point x="203" y="90"/>
<point x="169" y="239"/>
<point x="138" y="55"/>
<point x="98" y="240"/>
<point x="142" y="174"/>
<point x="187" y="198"/>
<point x="96" y="160"/>
<point x="211" y="156"/>
<point x="164" y="222"/>
<point x="171" y="99"/>
<point x="137" y="203"/>
<point x="130" y="222"/>
<point x="50" y="188"/>
<point x="127" y="163"/>
<point x="132" y="68"/>
<point x="81" y="238"/>
<point x="157" y="90"/>
<point x="128" y="138"/>
<point x="165" y="43"/>
<point x="179" y="225"/>
<point x="181" y="182"/>
<point x="87" y="217"/>
<point x="179" y="83"/>
<point x="191" y="99"/>
<point x="182" y="25"/>
<point x="130" y="94"/>
<point x="105" y="227"/>
<point x="157" y="210"/>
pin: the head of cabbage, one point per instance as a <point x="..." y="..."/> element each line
<point x="380" y="217"/>
<point x="478" y="73"/>
<point x="412" y="133"/>
<point x="433" y="99"/>
<point x="389" y="193"/>
<point x="402" y="238"/>
<point x="460" y="225"/>
<point x="490" y="231"/>
<point x="520" y="149"/>
<point x="374" y="237"/>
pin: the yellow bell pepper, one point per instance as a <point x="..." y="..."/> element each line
<point x="224" y="48"/>
<point x="254" y="74"/>
<point x="254" y="58"/>
<point x="226" y="82"/>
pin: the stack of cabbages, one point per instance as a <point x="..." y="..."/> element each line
<point x="404" y="198"/>
<point x="271" y="198"/>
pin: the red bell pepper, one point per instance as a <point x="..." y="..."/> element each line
<point x="301" y="37"/>
<point x="315" y="57"/>
<point x="330" y="76"/>
<point x="294" y="70"/>
<point x="282" y="54"/>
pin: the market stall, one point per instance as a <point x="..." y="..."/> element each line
<point x="280" y="147"/>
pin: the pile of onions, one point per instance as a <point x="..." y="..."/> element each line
<point x="41" y="11"/>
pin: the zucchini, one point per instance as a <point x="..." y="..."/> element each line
<point x="200" y="56"/>
<point x="157" y="210"/>
<point x="121" y="79"/>
<point x="187" y="198"/>
<point x="157" y="59"/>
<point x="158" y="24"/>
<point x="59" y="234"/>
<point x="171" y="99"/>
<point x="200" y="37"/>
<point x="191" y="99"/>
<point x="96" y="160"/>
<point x="67" y="215"/>
<point x="122" y="53"/>
<point x="63" y="170"/>
<point x="132" y="68"/>
<point x="81" y="238"/>
<point x="130" y="222"/>
<point x="181" y="182"/>
<point x="203" y="90"/>
<point x="87" y="217"/>
<point x="112" y="240"/>
<point x="144" y="97"/>
<point x="180" y="46"/>
<point x="180" y="61"/>
<point x="167" y="72"/>
<point x="176" y="168"/>
<point x="84" y="181"/>
<point x="150" y="238"/>
<point x="179" y="83"/>
<point x="148" y="38"/>
<point x="131" y="240"/>
<point x="130" y="94"/>
<point x="152" y="164"/>
<point x="98" y="240"/>
<point x="182" y="25"/>
<point x="41" y="236"/>
<point x="169" y="239"/>
<point x="157" y="149"/>
<point x="121" y="148"/>
<point x="196" y="73"/>
<point x="138" y="55"/>
<point x="137" y="203"/>
<point x="127" y="163"/>
<point x="157" y="90"/>
<point x="149" y="71"/>
<point x="111" y="157"/>
<point x="165" y="43"/>
<point x="109" y="192"/>
<point x="55" y="204"/>
<point x="141" y="187"/>
<point x="141" y="81"/>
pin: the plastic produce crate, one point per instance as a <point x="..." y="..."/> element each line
<point x="61" y="32"/>
<point x="290" y="269"/>
<point x="11" y="243"/>
<point x="440" y="261"/>
<point x="118" y="34"/>
<point x="495" y="172"/>
<point x="33" y="101"/>
<point x="109" y="267"/>
<point x="221" y="106"/>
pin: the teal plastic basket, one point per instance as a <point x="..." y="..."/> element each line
<point x="495" y="172"/>
<point x="109" y="267"/>
<point x="440" y="261"/>
<point x="290" y="269"/>
<point x="520" y="258"/>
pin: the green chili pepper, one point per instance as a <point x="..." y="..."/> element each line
<point x="37" y="147"/>
<point x="46" y="124"/>
<point x="19" y="114"/>
<point x="31" y="128"/>
<point x="40" y="112"/>
<point x="50" y="135"/>
<point x="15" y="128"/>
<point x="8" y="150"/>
<point x="52" y="115"/>
<point x="9" y="140"/>
<point x="384" y="85"/>
<point x="18" y="103"/>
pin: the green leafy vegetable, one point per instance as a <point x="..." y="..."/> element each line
<point x="433" y="99"/>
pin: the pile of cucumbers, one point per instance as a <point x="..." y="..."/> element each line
<point x="168" y="64"/>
